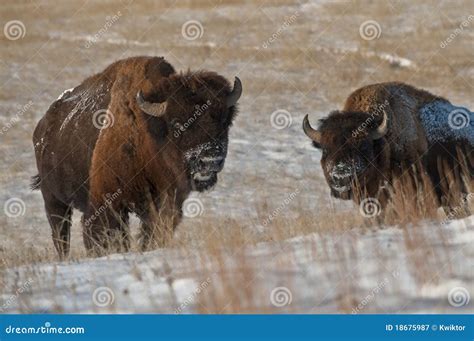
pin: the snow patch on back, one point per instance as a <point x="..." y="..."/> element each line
<point x="445" y="122"/>
<point x="65" y="92"/>
<point x="88" y="103"/>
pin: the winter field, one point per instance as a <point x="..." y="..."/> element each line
<point x="268" y="238"/>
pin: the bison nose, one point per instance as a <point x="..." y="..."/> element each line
<point x="341" y="182"/>
<point x="341" y="178"/>
<point x="341" y="173"/>
<point x="213" y="163"/>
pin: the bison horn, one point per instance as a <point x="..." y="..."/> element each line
<point x="381" y="129"/>
<point x="153" y="109"/>
<point x="313" y="134"/>
<point x="235" y="94"/>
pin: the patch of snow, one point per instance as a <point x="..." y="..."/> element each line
<point x="39" y="144"/>
<point x="172" y="280"/>
<point x="240" y="141"/>
<point x="87" y="103"/>
<point x="439" y="290"/>
<point x="65" y="92"/>
<point x="313" y="5"/>
<point x="393" y="59"/>
<point x="89" y="38"/>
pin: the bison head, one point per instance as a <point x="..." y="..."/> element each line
<point x="353" y="153"/>
<point x="196" y="111"/>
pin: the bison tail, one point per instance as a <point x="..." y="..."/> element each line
<point x="35" y="182"/>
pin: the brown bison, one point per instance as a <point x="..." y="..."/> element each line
<point x="387" y="128"/>
<point x="137" y="137"/>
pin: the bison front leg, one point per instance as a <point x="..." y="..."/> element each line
<point x="105" y="229"/>
<point x="158" y="223"/>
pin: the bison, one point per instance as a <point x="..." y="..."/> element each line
<point x="387" y="128"/>
<point x="136" y="138"/>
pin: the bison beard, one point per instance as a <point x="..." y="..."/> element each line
<point x="109" y="147"/>
<point x="387" y="130"/>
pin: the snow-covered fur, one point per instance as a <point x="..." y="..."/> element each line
<point x="444" y="122"/>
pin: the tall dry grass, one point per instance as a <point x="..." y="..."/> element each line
<point x="412" y="203"/>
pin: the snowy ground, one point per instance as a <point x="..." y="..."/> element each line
<point x="293" y="58"/>
<point x="311" y="274"/>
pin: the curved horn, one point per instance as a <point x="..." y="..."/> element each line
<point x="313" y="134"/>
<point x="235" y="94"/>
<point x="381" y="129"/>
<point x="153" y="109"/>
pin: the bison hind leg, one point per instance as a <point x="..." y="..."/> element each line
<point x="59" y="217"/>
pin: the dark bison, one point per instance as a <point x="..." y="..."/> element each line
<point x="137" y="137"/>
<point x="387" y="128"/>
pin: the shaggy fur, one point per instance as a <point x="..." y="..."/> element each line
<point x="413" y="138"/>
<point x="135" y="164"/>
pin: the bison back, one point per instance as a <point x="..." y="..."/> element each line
<point x="65" y="137"/>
